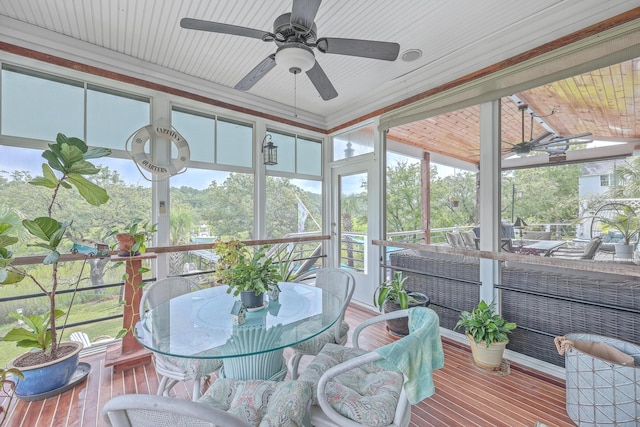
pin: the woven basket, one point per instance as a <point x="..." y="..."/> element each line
<point x="600" y="392"/>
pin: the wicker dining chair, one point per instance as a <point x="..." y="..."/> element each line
<point x="351" y="390"/>
<point x="340" y="283"/>
<point x="144" y="410"/>
<point x="176" y="369"/>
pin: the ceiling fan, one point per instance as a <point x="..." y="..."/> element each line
<point x="295" y="34"/>
<point x="547" y="142"/>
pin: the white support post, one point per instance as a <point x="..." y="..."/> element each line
<point x="490" y="180"/>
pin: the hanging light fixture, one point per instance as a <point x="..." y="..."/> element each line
<point x="269" y="151"/>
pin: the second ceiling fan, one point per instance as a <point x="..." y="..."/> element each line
<point x="547" y="142"/>
<point x="295" y="34"/>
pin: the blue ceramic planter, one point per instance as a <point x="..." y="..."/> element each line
<point x="48" y="376"/>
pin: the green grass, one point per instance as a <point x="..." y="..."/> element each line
<point x="80" y="312"/>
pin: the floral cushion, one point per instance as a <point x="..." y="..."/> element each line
<point x="194" y="367"/>
<point x="262" y="403"/>
<point x="367" y="394"/>
<point x="315" y="344"/>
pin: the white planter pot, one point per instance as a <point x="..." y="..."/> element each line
<point x="624" y="251"/>
<point x="487" y="357"/>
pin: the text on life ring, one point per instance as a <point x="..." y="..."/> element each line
<point x="150" y="133"/>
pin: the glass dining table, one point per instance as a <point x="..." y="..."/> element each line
<point x="199" y="325"/>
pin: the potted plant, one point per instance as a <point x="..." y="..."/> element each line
<point x="487" y="334"/>
<point x="132" y="240"/>
<point x="69" y="157"/>
<point x="249" y="274"/>
<point x="626" y="223"/>
<point x="391" y="296"/>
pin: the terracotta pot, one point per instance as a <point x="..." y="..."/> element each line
<point x="487" y="357"/>
<point x="125" y="241"/>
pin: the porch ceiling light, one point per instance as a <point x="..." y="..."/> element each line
<point x="295" y="57"/>
<point x="269" y="151"/>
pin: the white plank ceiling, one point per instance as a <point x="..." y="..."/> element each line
<point x="144" y="38"/>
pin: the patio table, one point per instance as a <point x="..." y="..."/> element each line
<point x="199" y="325"/>
<point x="545" y="246"/>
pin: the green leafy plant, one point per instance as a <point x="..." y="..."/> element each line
<point x="393" y="290"/>
<point x="135" y="234"/>
<point x="7" y="389"/>
<point x="35" y="333"/>
<point x="68" y="157"/>
<point x="246" y="270"/>
<point x="483" y="324"/>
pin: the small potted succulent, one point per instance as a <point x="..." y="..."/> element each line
<point x="487" y="334"/>
<point x="392" y="296"/>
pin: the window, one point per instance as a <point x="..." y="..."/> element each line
<point x="297" y="154"/>
<point x="353" y="143"/>
<point x="294" y="186"/>
<point x="215" y="140"/>
<point x="604" y="180"/>
<point x="39" y="106"/>
<point x="105" y="108"/>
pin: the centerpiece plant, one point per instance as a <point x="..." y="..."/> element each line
<point x="246" y="272"/>
<point x="67" y="166"/>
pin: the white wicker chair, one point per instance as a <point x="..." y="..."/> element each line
<point x="352" y="391"/>
<point x="174" y="369"/>
<point x="143" y="410"/>
<point x="340" y="283"/>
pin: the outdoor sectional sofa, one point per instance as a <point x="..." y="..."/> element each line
<point x="544" y="301"/>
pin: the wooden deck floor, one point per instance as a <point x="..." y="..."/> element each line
<point x="465" y="395"/>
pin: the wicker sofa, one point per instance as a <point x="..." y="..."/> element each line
<point x="544" y="301"/>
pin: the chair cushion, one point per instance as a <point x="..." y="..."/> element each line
<point x="191" y="368"/>
<point x="261" y="403"/>
<point x="469" y="239"/>
<point x="454" y="240"/>
<point x="315" y="344"/>
<point x="367" y="394"/>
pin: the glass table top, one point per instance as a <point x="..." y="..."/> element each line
<point x="200" y="324"/>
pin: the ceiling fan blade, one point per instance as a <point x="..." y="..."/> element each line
<point x="321" y="82"/>
<point x="363" y="48"/>
<point x="217" y="27"/>
<point x="303" y="13"/>
<point x="257" y="73"/>
<point x="539" y="138"/>
<point x="561" y="138"/>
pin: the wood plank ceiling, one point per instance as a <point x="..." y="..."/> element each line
<point x="604" y="102"/>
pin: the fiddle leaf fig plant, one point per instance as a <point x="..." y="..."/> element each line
<point x="67" y="166"/>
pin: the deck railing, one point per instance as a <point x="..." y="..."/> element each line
<point x="97" y="308"/>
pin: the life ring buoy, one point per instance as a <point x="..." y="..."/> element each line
<point x="143" y="160"/>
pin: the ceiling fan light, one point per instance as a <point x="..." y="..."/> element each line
<point x="295" y="57"/>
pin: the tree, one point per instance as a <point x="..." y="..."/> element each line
<point x="404" y="197"/>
